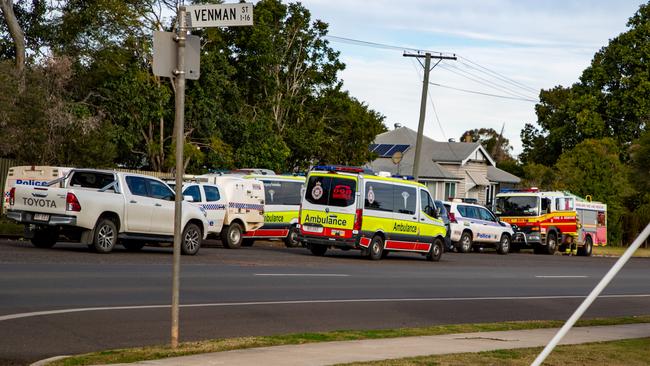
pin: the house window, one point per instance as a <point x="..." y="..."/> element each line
<point x="450" y="190"/>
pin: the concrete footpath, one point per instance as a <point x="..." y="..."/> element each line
<point x="329" y="353"/>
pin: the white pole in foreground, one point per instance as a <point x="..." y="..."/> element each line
<point x="179" y="124"/>
<point x="592" y="296"/>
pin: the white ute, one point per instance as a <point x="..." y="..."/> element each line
<point x="100" y="207"/>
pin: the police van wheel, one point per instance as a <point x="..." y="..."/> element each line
<point x="436" y="251"/>
<point x="465" y="243"/>
<point x="231" y="237"/>
<point x="318" y="250"/>
<point x="291" y="241"/>
<point x="376" y="248"/>
<point x="587" y="248"/>
<point x="503" y="247"/>
<point x="45" y="238"/>
<point x="247" y="242"/>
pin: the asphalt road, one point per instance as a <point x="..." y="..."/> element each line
<point x="69" y="300"/>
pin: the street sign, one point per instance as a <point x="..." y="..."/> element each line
<point x="220" y="15"/>
<point x="165" y="55"/>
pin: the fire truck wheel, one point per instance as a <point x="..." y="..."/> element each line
<point x="504" y="244"/>
<point x="551" y="243"/>
<point x="587" y="248"/>
<point x="465" y="243"/>
<point x="376" y="247"/>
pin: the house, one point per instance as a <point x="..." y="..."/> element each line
<point x="448" y="169"/>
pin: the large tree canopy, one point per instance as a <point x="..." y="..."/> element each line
<point x="269" y="96"/>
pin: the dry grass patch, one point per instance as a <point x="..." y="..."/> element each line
<point x="618" y="251"/>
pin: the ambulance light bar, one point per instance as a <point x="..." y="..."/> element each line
<point x="336" y="168"/>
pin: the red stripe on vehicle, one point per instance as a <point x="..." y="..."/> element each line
<point x="401" y="245"/>
<point x="422" y="247"/>
<point x="364" y="242"/>
<point x="266" y="233"/>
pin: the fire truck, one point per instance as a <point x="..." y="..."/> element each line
<point x="553" y="220"/>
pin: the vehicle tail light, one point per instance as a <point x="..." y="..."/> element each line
<point x="452" y="217"/>
<point x="72" y="203"/>
<point x="358" y="217"/>
<point x="12" y="195"/>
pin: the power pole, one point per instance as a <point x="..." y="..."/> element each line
<point x="423" y="103"/>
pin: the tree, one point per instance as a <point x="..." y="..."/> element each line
<point x="593" y="168"/>
<point x="16" y="32"/>
<point x="496" y="145"/>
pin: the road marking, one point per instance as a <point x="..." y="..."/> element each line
<point x="561" y="276"/>
<point x="303" y="302"/>
<point x="302" y="274"/>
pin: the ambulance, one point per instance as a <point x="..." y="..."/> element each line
<point x="348" y="208"/>
<point x="281" y="207"/>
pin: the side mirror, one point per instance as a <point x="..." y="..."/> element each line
<point x="502" y="223"/>
<point x="188" y="198"/>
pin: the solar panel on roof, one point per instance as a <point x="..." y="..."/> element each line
<point x="382" y="149"/>
<point x="394" y="149"/>
<point x="372" y="147"/>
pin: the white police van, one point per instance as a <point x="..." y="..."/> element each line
<point x="474" y="226"/>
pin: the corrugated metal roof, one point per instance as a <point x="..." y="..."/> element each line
<point x="495" y="174"/>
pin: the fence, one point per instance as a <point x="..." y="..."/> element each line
<point x="5" y="164"/>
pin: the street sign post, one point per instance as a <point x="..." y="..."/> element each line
<point x="200" y="16"/>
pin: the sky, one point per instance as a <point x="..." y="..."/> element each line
<point x="507" y="48"/>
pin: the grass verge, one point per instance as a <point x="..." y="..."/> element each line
<point x="629" y="352"/>
<point x="188" y="348"/>
<point x="8" y="227"/>
<point x="618" y="251"/>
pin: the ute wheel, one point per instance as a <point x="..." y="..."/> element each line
<point x="587" y="248"/>
<point x="465" y="243"/>
<point x="133" y="245"/>
<point x="191" y="239"/>
<point x="105" y="236"/>
<point x="376" y="248"/>
<point x="247" y="242"/>
<point x="551" y="243"/>
<point x="318" y="250"/>
<point x="231" y="237"/>
<point x="436" y="250"/>
<point x="503" y="247"/>
<point x="291" y="241"/>
<point x="45" y="238"/>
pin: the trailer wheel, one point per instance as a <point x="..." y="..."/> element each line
<point x="587" y="248"/>
<point x="231" y="237"/>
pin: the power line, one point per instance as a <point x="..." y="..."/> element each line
<point x="502" y="77"/>
<point x="481" y="80"/>
<point x="486" y="94"/>
<point x="381" y="45"/>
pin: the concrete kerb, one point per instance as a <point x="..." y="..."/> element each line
<point x="328" y="353"/>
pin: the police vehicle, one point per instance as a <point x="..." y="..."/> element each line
<point x="345" y="208"/>
<point x="474" y="226"/>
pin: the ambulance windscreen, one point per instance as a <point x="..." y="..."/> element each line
<point x="331" y="191"/>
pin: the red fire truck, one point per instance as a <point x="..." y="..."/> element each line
<point x="551" y="221"/>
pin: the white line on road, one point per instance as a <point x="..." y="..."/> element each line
<point x="561" y="276"/>
<point x="302" y="274"/>
<point x="303" y="302"/>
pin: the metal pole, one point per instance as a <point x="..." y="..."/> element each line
<point x="179" y="123"/>
<point x="423" y="112"/>
<point x="592" y="296"/>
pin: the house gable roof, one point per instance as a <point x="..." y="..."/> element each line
<point x="495" y="174"/>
